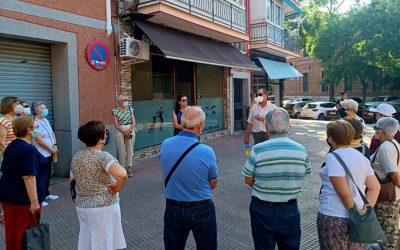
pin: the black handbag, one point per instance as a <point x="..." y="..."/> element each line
<point x="362" y="228"/>
<point x="36" y="237"/>
<point x="72" y="189"/>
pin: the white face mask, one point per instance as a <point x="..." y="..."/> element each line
<point x="260" y="98"/>
<point x="125" y="104"/>
<point x="19" y="109"/>
<point x="27" y="111"/>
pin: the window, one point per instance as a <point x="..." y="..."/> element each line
<point x="278" y="15"/>
<point x="274" y="13"/>
<point x="325" y="87"/>
<point x="348" y="85"/>
<point x="305" y="82"/>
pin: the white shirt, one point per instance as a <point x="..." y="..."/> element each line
<point x="386" y="161"/>
<point x="358" y="165"/>
<point x="255" y="110"/>
<point x="44" y="128"/>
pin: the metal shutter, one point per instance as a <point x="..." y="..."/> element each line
<point x="25" y="72"/>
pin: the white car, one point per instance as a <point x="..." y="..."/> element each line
<point x="316" y="110"/>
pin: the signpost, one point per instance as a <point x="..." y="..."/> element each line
<point x="98" y="55"/>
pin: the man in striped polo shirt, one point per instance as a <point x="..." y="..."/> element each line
<point x="275" y="170"/>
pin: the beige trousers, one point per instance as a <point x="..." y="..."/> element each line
<point x="125" y="147"/>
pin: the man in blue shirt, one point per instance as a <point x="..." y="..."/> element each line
<point x="188" y="192"/>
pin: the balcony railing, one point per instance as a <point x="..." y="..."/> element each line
<point x="275" y="35"/>
<point x="218" y="11"/>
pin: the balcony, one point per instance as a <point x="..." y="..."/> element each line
<point x="274" y="40"/>
<point x="202" y="17"/>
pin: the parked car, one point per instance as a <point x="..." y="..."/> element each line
<point x="368" y="116"/>
<point x="316" y="110"/>
<point x="294" y="108"/>
<point x="379" y="99"/>
<point x="397" y="114"/>
<point x="332" y="114"/>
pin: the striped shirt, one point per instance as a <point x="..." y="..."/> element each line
<point x="124" y="116"/>
<point x="278" y="167"/>
<point x="7" y="123"/>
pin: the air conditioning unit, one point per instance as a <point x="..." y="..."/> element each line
<point x="131" y="48"/>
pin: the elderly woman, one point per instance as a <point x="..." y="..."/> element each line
<point x="338" y="194"/>
<point x="124" y="122"/>
<point x="357" y="142"/>
<point x="386" y="164"/>
<point x="99" y="178"/>
<point x="22" y="185"/>
<point x="26" y="110"/>
<point x="180" y="105"/>
<point x="350" y="108"/>
<point x="45" y="142"/>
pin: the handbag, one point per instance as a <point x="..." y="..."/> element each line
<point x="72" y="189"/>
<point x="388" y="189"/>
<point x="363" y="228"/>
<point x="36" y="237"/>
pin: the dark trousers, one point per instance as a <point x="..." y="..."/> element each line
<point x="260" y="137"/>
<point x="179" y="221"/>
<point x="48" y="174"/>
<point x="273" y="224"/>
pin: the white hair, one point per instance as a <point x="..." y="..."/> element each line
<point x="350" y="104"/>
<point x="277" y="121"/>
<point x="388" y="125"/>
<point x="192" y="117"/>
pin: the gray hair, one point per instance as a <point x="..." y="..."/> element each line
<point x="277" y="121"/>
<point x="388" y="125"/>
<point x="192" y="117"/>
<point x="264" y="90"/>
<point x="35" y="105"/>
<point x="350" y="104"/>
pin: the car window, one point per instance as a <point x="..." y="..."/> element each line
<point x="300" y="105"/>
<point x="378" y="99"/>
<point x="288" y="106"/>
<point x="392" y="98"/>
<point x="327" y="105"/>
<point x="311" y="105"/>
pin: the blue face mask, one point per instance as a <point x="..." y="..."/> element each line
<point x="45" y="113"/>
<point x="35" y="133"/>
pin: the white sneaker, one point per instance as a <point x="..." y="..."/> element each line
<point x="44" y="204"/>
<point x="51" y="197"/>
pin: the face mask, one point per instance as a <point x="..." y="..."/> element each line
<point x="260" y="98"/>
<point x="19" y="109"/>
<point x="27" y="111"/>
<point x="45" y="113"/>
<point x="35" y="133"/>
<point x="125" y="104"/>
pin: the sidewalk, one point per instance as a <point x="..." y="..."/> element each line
<point x="142" y="201"/>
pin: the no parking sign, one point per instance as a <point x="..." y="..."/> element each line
<point x="98" y="55"/>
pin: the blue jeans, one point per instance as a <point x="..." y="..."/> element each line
<point x="275" y="224"/>
<point x="179" y="221"/>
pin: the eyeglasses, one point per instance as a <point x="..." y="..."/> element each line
<point x="260" y="94"/>
<point x="376" y="128"/>
<point x="183" y="100"/>
<point x="25" y="106"/>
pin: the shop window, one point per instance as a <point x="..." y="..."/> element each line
<point x="209" y="95"/>
<point x="305" y="82"/>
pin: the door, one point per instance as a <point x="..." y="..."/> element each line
<point x="238" y="104"/>
<point x="185" y="80"/>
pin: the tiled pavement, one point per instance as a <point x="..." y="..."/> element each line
<point x="142" y="201"/>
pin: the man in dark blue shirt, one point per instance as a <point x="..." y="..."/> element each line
<point x="343" y="97"/>
<point x="188" y="192"/>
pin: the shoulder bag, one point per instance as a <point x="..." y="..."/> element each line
<point x="388" y="189"/>
<point x="362" y="228"/>
<point x="179" y="161"/>
<point x="36" y="237"/>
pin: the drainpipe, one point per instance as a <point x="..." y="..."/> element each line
<point x="109" y="28"/>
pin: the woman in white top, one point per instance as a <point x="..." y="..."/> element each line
<point x="339" y="194"/>
<point x="45" y="142"/>
<point x="386" y="164"/>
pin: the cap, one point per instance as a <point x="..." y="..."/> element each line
<point x="384" y="109"/>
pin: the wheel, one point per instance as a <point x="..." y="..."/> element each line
<point x="297" y="115"/>
<point x="321" y="117"/>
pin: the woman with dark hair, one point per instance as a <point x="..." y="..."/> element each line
<point x="180" y="105"/>
<point x="338" y="194"/>
<point x="99" y="178"/>
<point x="23" y="183"/>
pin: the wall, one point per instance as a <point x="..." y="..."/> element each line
<point x="258" y="11"/>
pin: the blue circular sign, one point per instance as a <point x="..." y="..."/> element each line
<point x="98" y="55"/>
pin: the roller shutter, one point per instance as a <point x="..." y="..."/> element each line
<point x="25" y="72"/>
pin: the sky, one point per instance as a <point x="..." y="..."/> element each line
<point x="346" y="6"/>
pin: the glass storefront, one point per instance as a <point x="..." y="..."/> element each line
<point x="155" y="85"/>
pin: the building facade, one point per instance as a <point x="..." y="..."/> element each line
<point x="43" y="54"/>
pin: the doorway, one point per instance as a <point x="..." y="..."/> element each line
<point x="238" y="104"/>
<point x="185" y="80"/>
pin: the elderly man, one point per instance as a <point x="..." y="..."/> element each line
<point x="255" y="122"/>
<point x="275" y="170"/>
<point x="190" y="173"/>
<point x="383" y="110"/>
<point x="386" y="164"/>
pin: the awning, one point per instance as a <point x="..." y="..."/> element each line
<point x="279" y="70"/>
<point x="184" y="46"/>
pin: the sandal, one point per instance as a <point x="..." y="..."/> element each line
<point x="129" y="171"/>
